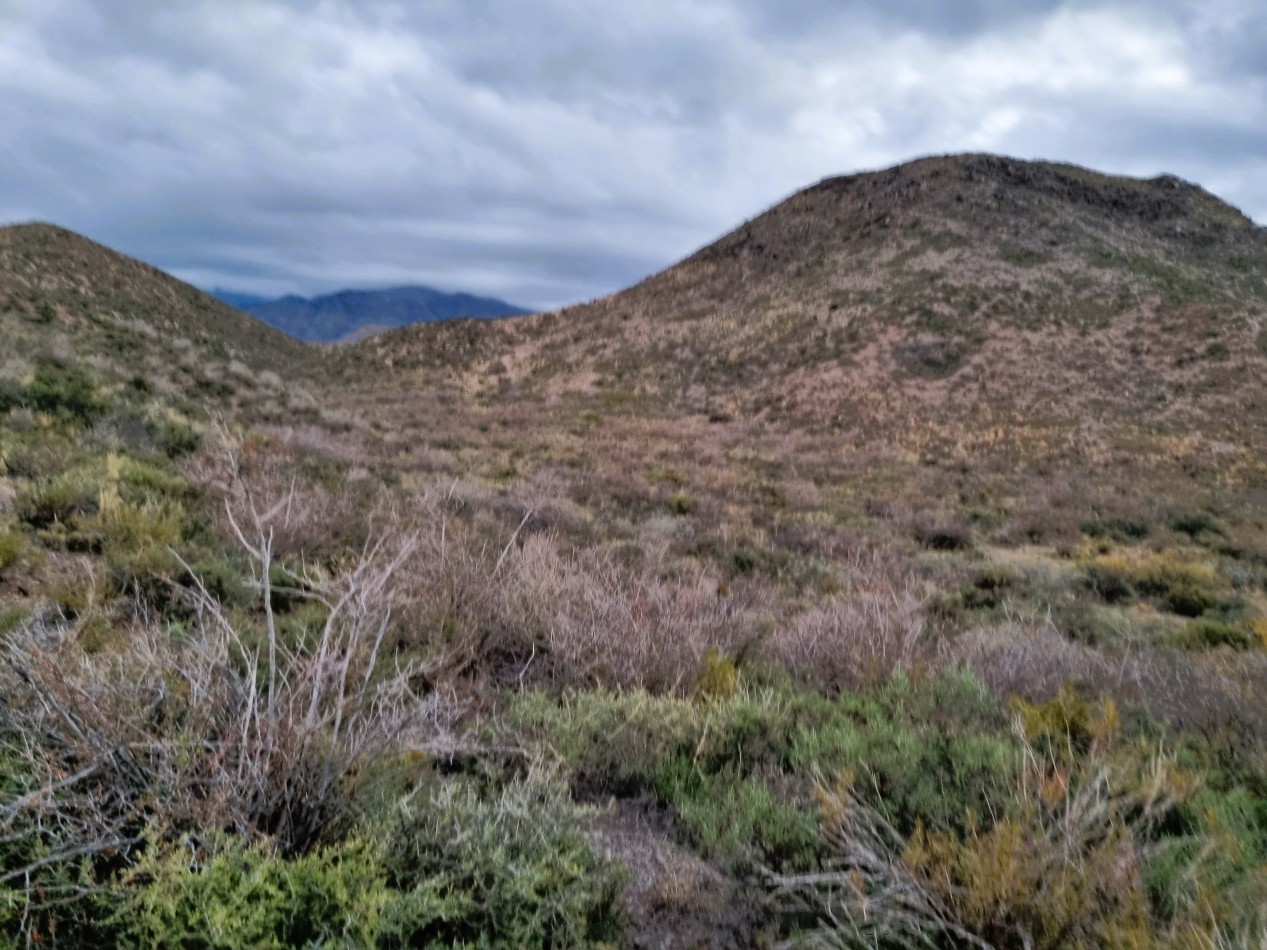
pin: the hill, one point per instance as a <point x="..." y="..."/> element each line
<point x="354" y="314"/>
<point x="947" y="285"/>
<point x="65" y="297"/>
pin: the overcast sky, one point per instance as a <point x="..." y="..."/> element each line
<point x="548" y="151"/>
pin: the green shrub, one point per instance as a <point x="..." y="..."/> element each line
<point x="64" y="390"/>
<point x="740" y="820"/>
<point x="1234" y="820"/>
<point x="615" y="743"/>
<point x="140" y="482"/>
<point x="929" y="754"/>
<point x="176" y="440"/>
<point x="59" y="499"/>
<point x="249" y="897"/>
<point x="12" y="543"/>
<point x="137" y="540"/>
<point x="1206" y="633"/>
<point x="1123" y="530"/>
<point x="511" y="869"/>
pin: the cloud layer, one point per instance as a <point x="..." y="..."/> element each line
<point x="551" y="151"/>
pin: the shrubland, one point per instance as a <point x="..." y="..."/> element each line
<point x="255" y="698"/>
<point x="775" y="603"/>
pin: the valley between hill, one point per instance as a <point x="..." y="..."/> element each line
<point x="891" y="572"/>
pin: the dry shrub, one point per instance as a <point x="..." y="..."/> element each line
<point x="1207" y="694"/>
<point x="223" y="727"/>
<point x="873" y="626"/>
<point x="1066" y="868"/>
<point x="866" y="895"/>
<point x="312" y="519"/>
<point x="598" y="623"/>
<point x="1035" y="662"/>
<point x="1063" y="867"/>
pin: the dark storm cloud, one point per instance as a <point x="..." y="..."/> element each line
<point x="555" y="150"/>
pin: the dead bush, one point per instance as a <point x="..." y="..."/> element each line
<point x="1209" y="695"/>
<point x="312" y="519"/>
<point x="597" y="622"/>
<point x="873" y="626"/>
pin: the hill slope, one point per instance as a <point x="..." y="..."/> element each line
<point x="64" y="296"/>
<point x="945" y="286"/>
<point x="354" y="314"/>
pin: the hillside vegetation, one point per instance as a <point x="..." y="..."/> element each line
<point x="890" y="573"/>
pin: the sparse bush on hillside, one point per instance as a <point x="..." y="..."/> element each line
<point x="64" y="390"/>
<point x="59" y="499"/>
<point x="1124" y="530"/>
<point x="941" y="534"/>
<point x="12" y="544"/>
<point x="1194" y="525"/>
<point x="1181" y="586"/>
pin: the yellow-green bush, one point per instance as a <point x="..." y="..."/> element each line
<point x="247" y="896"/>
<point x="719" y="679"/>
<point x="1181" y="586"/>
<point x="507" y="869"/>
<point x="136" y="539"/>
<point x="59" y="499"/>
<point x="12" y="544"/>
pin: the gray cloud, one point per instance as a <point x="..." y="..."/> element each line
<point x="552" y="151"/>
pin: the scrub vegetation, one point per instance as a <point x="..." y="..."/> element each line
<point x="602" y="629"/>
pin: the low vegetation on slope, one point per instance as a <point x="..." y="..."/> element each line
<point x="458" y="662"/>
<point x="258" y="698"/>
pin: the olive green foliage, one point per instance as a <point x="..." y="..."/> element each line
<point x="613" y="743"/>
<point x="740" y="820"/>
<point x="1206" y="633"/>
<point x="58" y="499"/>
<point x="1175" y="583"/>
<point x="738" y="772"/>
<point x="64" y="390"/>
<point x="681" y="504"/>
<point x="12" y="544"/>
<point x="249" y="897"/>
<point x="934" y="753"/>
<point x="508" y="868"/>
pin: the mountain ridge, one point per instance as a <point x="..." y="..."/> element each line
<point x="346" y="315"/>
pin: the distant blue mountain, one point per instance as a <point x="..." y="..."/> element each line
<point x="241" y="301"/>
<point x="353" y="314"/>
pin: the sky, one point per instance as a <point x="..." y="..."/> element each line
<point x="551" y="151"/>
